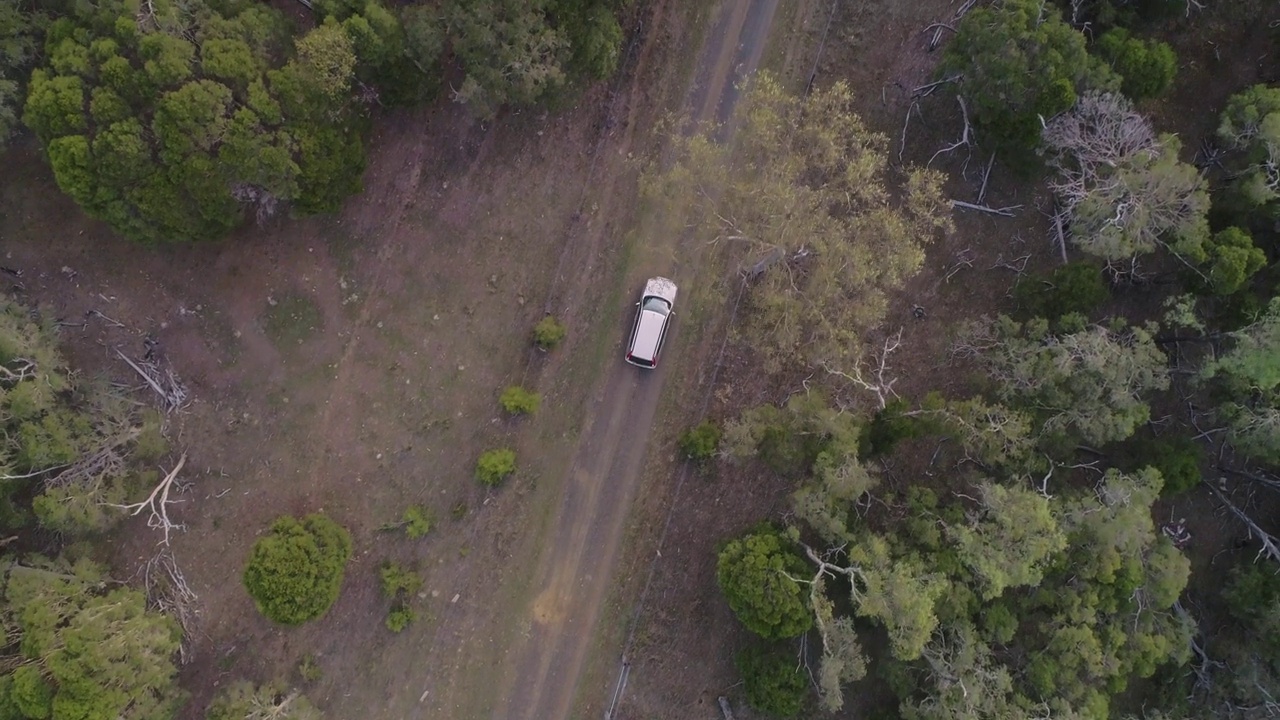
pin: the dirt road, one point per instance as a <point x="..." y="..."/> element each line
<point x="575" y="566"/>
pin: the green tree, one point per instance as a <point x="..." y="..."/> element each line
<point x="1018" y="62"/>
<point x="1250" y="125"/>
<point x="72" y="449"/>
<point x="1076" y="287"/>
<point x="1232" y="259"/>
<point x="392" y="57"/>
<point x="20" y="25"/>
<point x="295" y="573"/>
<point x="1009" y="540"/>
<point x="1252" y="362"/>
<point x="1147" y="66"/>
<point x="518" y="401"/>
<point x="510" y="50"/>
<point x="758" y="575"/>
<point x="805" y="185"/>
<point x="90" y="648"/>
<point x="1121" y="189"/>
<point x="774" y="682"/>
<point x="1091" y="383"/>
<point x="245" y="701"/>
<point x="171" y="126"/>
<point x="593" y="32"/>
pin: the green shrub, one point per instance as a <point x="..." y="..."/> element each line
<point x="775" y="683"/>
<point x="397" y="580"/>
<point x="308" y="669"/>
<point x="701" y="442"/>
<point x="518" y="401"/>
<point x="417" y="522"/>
<point x="1178" y="459"/>
<point x="241" y="700"/>
<point x="400" y="618"/>
<point x="295" y="573"/>
<point x="1232" y="259"/>
<point x="495" y="465"/>
<point x="1147" y="66"/>
<point x="1072" y="288"/>
<point x="755" y="574"/>
<point x="549" y="333"/>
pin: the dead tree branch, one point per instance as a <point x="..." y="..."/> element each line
<point x="167" y="385"/>
<point x="964" y="140"/>
<point x="902" y="146"/>
<point x="1270" y="545"/>
<point x="1018" y="265"/>
<point x="926" y="90"/>
<point x="986" y="175"/>
<point x="964" y="259"/>
<point x="939" y="27"/>
<point x="22" y="369"/>
<point x="158" y="503"/>
<point x="879" y="385"/>
<point x="1007" y="211"/>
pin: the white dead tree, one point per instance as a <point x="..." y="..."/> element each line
<point x="877" y="384"/>
<point x="1270" y="544"/>
<point x="157" y="503"/>
<point x="1120" y="189"/>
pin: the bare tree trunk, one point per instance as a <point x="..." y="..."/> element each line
<point x="724" y="708"/>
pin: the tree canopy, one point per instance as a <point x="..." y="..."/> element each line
<point x="169" y="124"/>
<point x="85" y="648"/>
<point x="805" y="187"/>
<point x="1250" y="125"/>
<point x="1090" y="382"/>
<point x="69" y="446"/>
<point x="758" y="575"/>
<point x="20" y="27"/>
<point x="1019" y="63"/>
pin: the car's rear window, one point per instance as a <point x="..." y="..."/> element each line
<point x="658" y="305"/>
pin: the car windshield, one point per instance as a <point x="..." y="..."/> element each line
<point x="658" y="305"/>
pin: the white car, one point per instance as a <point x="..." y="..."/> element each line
<point x="652" y="319"/>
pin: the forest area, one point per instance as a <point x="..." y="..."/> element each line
<point x="1006" y="537"/>
<point x="1010" y="537"/>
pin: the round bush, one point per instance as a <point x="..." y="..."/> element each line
<point x="295" y="573"/>
<point x="495" y="465"/>
<point x="754" y="573"/>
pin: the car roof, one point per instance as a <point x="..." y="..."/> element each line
<point x="648" y="334"/>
